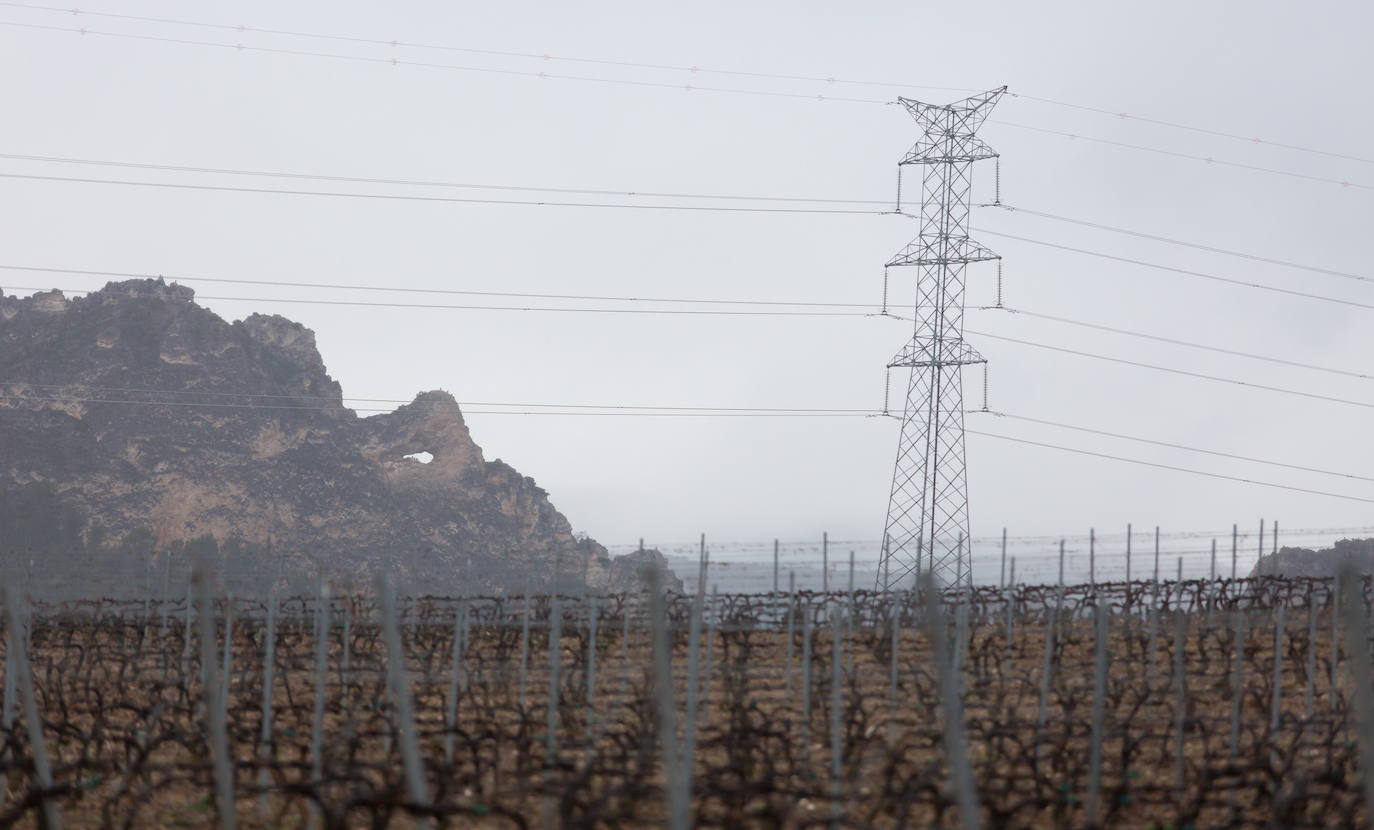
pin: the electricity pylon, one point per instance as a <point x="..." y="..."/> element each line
<point x="927" y="514"/>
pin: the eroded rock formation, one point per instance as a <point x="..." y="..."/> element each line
<point x="146" y="417"/>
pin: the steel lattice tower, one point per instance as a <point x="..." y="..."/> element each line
<point x="927" y="514"/>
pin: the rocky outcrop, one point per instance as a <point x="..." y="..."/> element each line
<point x="148" y="416"/>
<point x="1326" y="563"/>
<point x="635" y="572"/>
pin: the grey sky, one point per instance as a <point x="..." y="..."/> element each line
<point x="1274" y="70"/>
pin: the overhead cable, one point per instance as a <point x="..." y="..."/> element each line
<point x="1175" y="371"/>
<point x="1183" y="271"/>
<point x="657" y="411"/>
<point x="409" y="197"/>
<point x="1211" y="160"/>
<point x="1249" y="139"/>
<point x="622" y="193"/>
<point x="404" y="289"/>
<point x="493" y="52"/>
<point x="1185" y="343"/>
<point x="396" y="62"/>
<point x="692" y="69"/>
<point x="1186" y="244"/>
<point x="1175" y="446"/>
<point x="533" y="408"/>
<point x="1173" y="468"/>
<point x="276" y="174"/>
<point x="460" y="307"/>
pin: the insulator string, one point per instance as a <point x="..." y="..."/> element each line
<point x="997" y="180"/>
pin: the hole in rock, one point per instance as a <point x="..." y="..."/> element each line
<point x="422" y="457"/>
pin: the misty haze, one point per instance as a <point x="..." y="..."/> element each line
<point x="765" y="416"/>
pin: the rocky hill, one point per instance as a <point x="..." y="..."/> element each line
<point x="1323" y="563"/>
<point x="139" y="427"/>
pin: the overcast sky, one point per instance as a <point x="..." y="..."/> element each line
<point x="1272" y="70"/>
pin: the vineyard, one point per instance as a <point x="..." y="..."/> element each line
<point x="1208" y="703"/>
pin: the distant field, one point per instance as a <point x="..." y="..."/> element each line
<point x="778" y="742"/>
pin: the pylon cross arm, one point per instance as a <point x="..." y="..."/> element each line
<point x="937" y="150"/>
<point x="925" y="352"/>
<point x="949" y="129"/>
<point x="941" y="250"/>
<point x="966" y="116"/>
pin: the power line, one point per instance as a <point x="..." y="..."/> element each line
<point x="443" y="199"/>
<point x="325" y="401"/>
<point x="460" y="307"/>
<point x="1189" y="344"/>
<point x="394" y="61"/>
<point x="1249" y="139"/>
<point x="682" y="68"/>
<point x="205" y="393"/>
<point x="1182" y="271"/>
<point x="638" y="410"/>
<point x="1185" y="244"/>
<point x="742" y="209"/>
<point x="417" y="290"/>
<point x="1129" y="260"/>
<point x="678" y="414"/>
<point x="1172" y="370"/>
<point x="1172" y="467"/>
<point x="492" y="52"/>
<point x="627" y="193"/>
<point x="1211" y="160"/>
<point x="533" y="408"/>
<point x="676" y="411"/>
<point x="822" y="414"/>
<point x="226" y="171"/>
<point x="1170" y="445"/>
